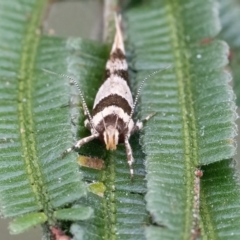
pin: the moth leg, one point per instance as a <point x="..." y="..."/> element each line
<point x="139" y="124"/>
<point x="129" y="155"/>
<point x="79" y="143"/>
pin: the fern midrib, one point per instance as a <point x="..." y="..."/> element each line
<point x="207" y="219"/>
<point x="187" y="110"/>
<point x="25" y="109"/>
<point x="110" y="219"/>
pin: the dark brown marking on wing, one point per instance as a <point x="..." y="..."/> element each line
<point x="112" y="100"/>
<point x="117" y="54"/>
<point x="121" y="73"/>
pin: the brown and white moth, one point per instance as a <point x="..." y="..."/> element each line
<point x="111" y="119"/>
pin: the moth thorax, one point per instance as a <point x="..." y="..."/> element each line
<point x="110" y="135"/>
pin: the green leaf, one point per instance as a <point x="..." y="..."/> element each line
<point x="230" y="19"/>
<point x="97" y="188"/>
<point x="74" y="214"/>
<point x="220" y="205"/>
<point x="35" y="128"/>
<point x="27" y="221"/>
<point x="15" y="170"/>
<point x="195" y="108"/>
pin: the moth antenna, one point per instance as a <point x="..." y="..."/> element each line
<point x="140" y="89"/>
<point x="80" y="93"/>
<point x="118" y="40"/>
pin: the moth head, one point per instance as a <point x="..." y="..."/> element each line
<point x="110" y="136"/>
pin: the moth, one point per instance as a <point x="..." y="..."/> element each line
<point x="111" y="118"/>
